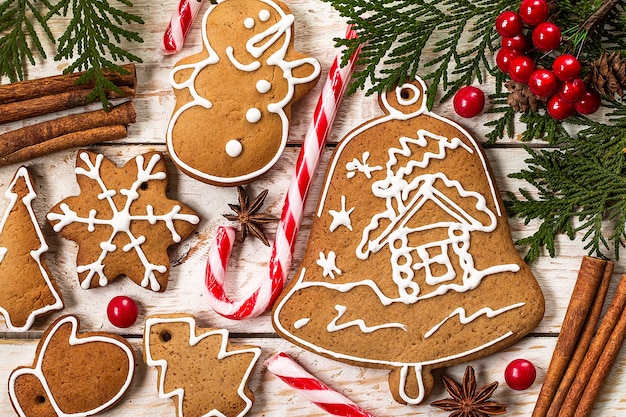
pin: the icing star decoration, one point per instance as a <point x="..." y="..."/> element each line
<point x="329" y="267"/>
<point x="342" y="217"/>
<point x="466" y="400"/>
<point x="246" y="214"/>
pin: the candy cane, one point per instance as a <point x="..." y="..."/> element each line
<point x="179" y="26"/>
<point x="311" y="388"/>
<point x="284" y="243"/>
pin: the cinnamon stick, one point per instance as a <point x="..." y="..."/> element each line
<point x="71" y="140"/>
<point x="589" y="277"/>
<point x="603" y="367"/>
<point x="607" y="331"/>
<point x="29" y="89"/>
<point x="20" y="110"/>
<point x="15" y="140"/>
<point x="586" y="336"/>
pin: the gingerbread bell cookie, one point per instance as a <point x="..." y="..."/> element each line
<point x="233" y="100"/>
<point x="27" y="289"/>
<point x="410" y="264"/>
<point x="122" y="220"/>
<point x="73" y="374"/>
<point x="199" y="368"/>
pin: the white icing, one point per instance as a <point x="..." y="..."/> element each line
<point x="121" y="219"/>
<point x="329" y="268"/>
<point x="465" y="319"/>
<point x="73" y="341"/>
<point x="22" y="173"/>
<point x="253" y="115"/>
<point x="255" y="46"/>
<point x="234" y="148"/>
<point x="360" y="323"/>
<point x="248" y="22"/>
<point x="404" y="195"/>
<point x="194" y="339"/>
<point x="263" y="86"/>
<point x="361" y="166"/>
<point x="341" y="217"/>
<point x="301" y="323"/>
<point x="264" y="15"/>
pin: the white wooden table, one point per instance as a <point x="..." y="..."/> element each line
<point x="317" y="24"/>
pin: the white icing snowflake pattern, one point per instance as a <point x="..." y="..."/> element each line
<point x="361" y="166"/>
<point x="121" y="220"/>
<point x="341" y="217"/>
<point x="329" y="267"/>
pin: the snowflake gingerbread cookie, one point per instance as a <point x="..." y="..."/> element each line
<point x="122" y="220"/>
<point x="410" y="264"/>
<point x="199" y="368"/>
<point x="22" y="246"/>
<point x="233" y="100"/>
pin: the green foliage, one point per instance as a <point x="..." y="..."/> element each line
<point x="580" y="187"/>
<point x="17" y="19"/>
<point x="94" y="33"/>
<point x="394" y="34"/>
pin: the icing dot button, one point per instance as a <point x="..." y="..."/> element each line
<point x="264" y="15"/>
<point x="263" y="86"/>
<point x="122" y="311"/>
<point x="248" y="23"/>
<point x="233" y="148"/>
<point x="253" y="115"/>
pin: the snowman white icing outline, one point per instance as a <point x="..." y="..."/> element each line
<point x="274" y="32"/>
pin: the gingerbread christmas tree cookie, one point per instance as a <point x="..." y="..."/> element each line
<point x="410" y="264"/>
<point x="27" y="289"/>
<point x="199" y="368"/>
<point x="233" y="99"/>
<point x="122" y="220"/>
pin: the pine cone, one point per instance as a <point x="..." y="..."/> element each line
<point x="521" y="98"/>
<point x="608" y="75"/>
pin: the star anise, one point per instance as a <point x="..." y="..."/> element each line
<point x="466" y="401"/>
<point x="246" y="214"/>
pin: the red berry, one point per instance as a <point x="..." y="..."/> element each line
<point x="566" y="67"/>
<point x="122" y="311"/>
<point x="520" y="374"/>
<point x="504" y="58"/>
<point x="572" y="90"/>
<point x="543" y="83"/>
<point x="509" y="24"/>
<point x="546" y="36"/>
<point x="521" y="67"/>
<point x="519" y="42"/>
<point x="589" y="103"/>
<point x="469" y="101"/>
<point x="558" y="108"/>
<point x="534" y="12"/>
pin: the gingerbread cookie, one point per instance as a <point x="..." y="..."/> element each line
<point x="22" y="246"/>
<point x="122" y="220"/>
<point x="410" y="264"/>
<point x="73" y="374"/>
<point x="199" y="368"/>
<point x="233" y="100"/>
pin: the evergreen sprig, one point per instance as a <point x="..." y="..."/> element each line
<point x="395" y="34"/>
<point x="17" y="25"/>
<point x="95" y="32"/>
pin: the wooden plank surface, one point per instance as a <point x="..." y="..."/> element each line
<point x="317" y="24"/>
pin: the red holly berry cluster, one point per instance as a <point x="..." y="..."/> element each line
<point x="562" y="85"/>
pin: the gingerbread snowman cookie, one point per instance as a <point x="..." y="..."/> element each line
<point x="233" y="100"/>
<point x="410" y="264"/>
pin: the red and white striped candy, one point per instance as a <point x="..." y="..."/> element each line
<point x="286" y="233"/>
<point x="180" y="24"/>
<point x="311" y="388"/>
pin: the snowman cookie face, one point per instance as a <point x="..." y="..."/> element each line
<point x="233" y="100"/>
<point x="410" y="264"/>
